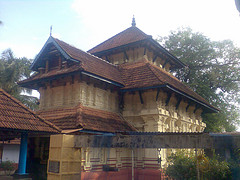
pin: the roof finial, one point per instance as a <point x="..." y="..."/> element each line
<point x="133" y="21"/>
<point x="51" y="30"/>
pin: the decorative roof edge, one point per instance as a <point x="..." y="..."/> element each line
<point x="51" y="40"/>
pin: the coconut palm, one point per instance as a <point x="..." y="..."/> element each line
<point x="12" y="70"/>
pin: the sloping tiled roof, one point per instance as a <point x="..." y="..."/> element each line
<point x="143" y="74"/>
<point x="15" y="116"/>
<point x="51" y="74"/>
<point x="130" y="75"/>
<point x="130" y="35"/>
<point x="91" y="63"/>
<point x="87" y="63"/>
<point x="86" y="118"/>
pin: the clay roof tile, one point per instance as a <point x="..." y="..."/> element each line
<point x="14" y="115"/>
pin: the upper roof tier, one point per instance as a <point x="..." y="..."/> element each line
<point x="131" y="37"/>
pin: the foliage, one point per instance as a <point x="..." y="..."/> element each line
<point x="13" y="70"/>
<point x="7" y="166"/>
<point x="234" y="163"/>
<point x="184" y="167"/>
<point x="181" y="167"/>
<point x="213" y="71"/>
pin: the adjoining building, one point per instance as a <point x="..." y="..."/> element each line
<point x="18" y="121"/>
<point x="123" y="84"/>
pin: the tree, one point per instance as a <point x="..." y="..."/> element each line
<point x="13" y="70"/>
<point x="213" y="71"/>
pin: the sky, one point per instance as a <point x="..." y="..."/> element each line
<point x="84" y="24"/>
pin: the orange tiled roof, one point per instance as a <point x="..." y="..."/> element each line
<point x="52" y="73"/>
<point x="142" y="74"/>
<point x="86" y="118"/>
<point x="130" y="35"/>
<point x="92" y="63"/>
<point x="87" y="63"/>
<point x="15" y="116"/>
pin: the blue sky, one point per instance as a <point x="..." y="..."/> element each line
<point x="84" y="24"/>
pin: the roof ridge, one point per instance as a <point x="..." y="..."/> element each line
<point x="81" y="51"/>
<point x="166" y="72"/>
<point x="62" y="47"/>
<point x="102" y="59"/>
<point x="126" y="65"/>
<point x="149" y="66"/>
<point x="29" y="110"/>
<point x="129" y="122"/>
<point x="132" y="27"/>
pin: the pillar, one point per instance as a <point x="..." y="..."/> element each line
<point x="23" y="154"/>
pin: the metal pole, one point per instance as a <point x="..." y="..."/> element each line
<point x="23" y="154"/>
<point x="132" y="165"/>
<point x="198" y="174"/>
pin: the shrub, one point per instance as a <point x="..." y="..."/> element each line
<point x="183" y="166"/>
<point x="7" y="166"/>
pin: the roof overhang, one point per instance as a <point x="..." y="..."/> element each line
<point x="166" y="86"/>
<point x="149" y="40"/>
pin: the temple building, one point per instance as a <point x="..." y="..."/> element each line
<point x="123" y="84"/>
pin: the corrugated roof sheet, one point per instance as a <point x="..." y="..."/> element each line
<point x="16" y="116"/>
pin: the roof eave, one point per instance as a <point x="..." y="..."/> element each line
<point x="167" y="53"/>
<point x="103" y="52"/>
<point x="215" y="110"/>
<point x="180" y="64"/>
<point x="28" y="83"/>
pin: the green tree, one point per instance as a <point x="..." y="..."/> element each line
<point x="213" y="71"/>
<point x="12" y="70"/>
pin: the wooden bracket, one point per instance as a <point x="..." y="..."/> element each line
<point x="168" y="98"/>
<point x="158" y="90"/>
<point x="155" y="57"/>
<point x="121" y="100"/>
<point x="196" y="108"/>
<point x="187" y="107"/>
<point x="125" y="55"/>
<point x="140" y="96"/>
<point x="145" y="49"/>
<point x="165" y="63"/>
<point x="72" y="79"/>
<point x="178" y="103"/>
<point x="107" y="58"/>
